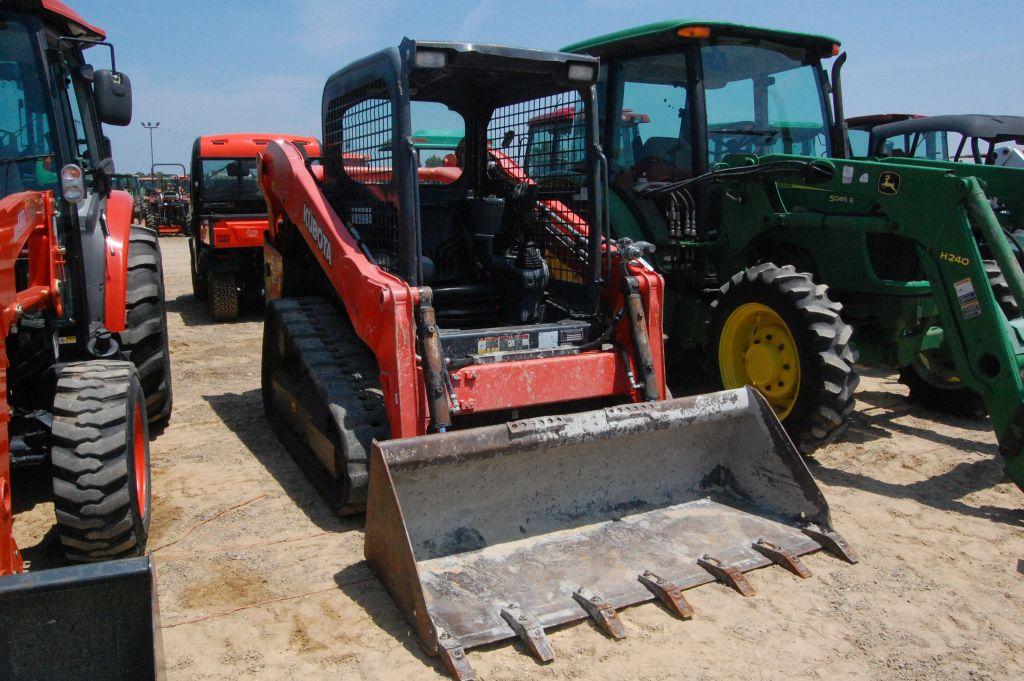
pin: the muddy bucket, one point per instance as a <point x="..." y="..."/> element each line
<point x="501" y="531"/>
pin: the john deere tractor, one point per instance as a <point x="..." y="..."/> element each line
<point x="781" y="254"/>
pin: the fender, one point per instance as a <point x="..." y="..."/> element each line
<point x="118" y="216"/>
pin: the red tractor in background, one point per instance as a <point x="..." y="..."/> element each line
<point x="229" y="217"/>
<point x="84" y="362"/>
<point x="167" y="205"/>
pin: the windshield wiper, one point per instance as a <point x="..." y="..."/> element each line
<point x="19" y="159"/>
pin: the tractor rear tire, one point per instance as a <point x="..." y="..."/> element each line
<point x="932" y="380"/>
<point x="1004" y="296"/>
<point x="223" y="296"/>
<point x="145" y="338"/>
<point x="814" y="400"/>
<point x="100" y="461"/>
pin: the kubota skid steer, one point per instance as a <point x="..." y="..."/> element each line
<point x="483" y="356"/>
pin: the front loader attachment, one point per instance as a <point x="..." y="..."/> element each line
<point x="94" y="621"/>
<point x="501" y="531"/>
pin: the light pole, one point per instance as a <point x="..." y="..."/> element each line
<point x="151" y="127"/>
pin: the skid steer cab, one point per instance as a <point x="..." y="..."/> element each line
<point x="84" y="369"/>
<point x="464" y="352"/>
<point x="229" y="217"/>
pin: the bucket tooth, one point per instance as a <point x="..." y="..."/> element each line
<point x="781" y="557"/>
<point x="726" y="574"/>
<point x="832" y="542"/>
<point x="454" y="657"/>
<point x="669" y="593"/>
<point x="603" y="614"/>
<point x="529" y="631"/>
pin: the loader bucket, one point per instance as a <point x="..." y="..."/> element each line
<point x="501" y="531"/>
<point x="97" y="621"/>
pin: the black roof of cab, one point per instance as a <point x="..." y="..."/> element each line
<point x="993" y="128"/>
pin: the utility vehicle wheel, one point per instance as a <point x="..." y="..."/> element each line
<point x="145" y="337"/>
<point x="932" y="377"/>
<point x="199" y="289"/>
<point x="773" y="328"/>
<point x="153" y="222"/>
<point x="100" y="457"/>
<point x="223" y="295"/>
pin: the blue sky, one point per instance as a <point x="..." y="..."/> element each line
<point x="205" y="66"/>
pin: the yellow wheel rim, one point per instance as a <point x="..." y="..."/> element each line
<point x="757" y="349"/>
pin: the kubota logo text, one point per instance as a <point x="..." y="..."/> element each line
<point x="317" y="232"/>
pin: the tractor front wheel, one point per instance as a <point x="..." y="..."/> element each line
<point x="222" y="289"/>
<point x="932" y="377"/>
<point x="774" y="329"/>
<point x="100" y="461"/>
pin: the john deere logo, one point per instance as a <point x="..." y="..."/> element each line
<point x="889" y="183"/>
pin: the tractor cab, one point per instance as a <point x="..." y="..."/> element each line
<point x="707" y="90"/>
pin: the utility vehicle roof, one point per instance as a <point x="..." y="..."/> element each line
<point x="662" y="32"/>
<point x="469" y="73"/>
<point x="995" y="128"/>
<point x="436" y="138"/>
<point x="869" y="121"/>
<point x="248" y="144"/>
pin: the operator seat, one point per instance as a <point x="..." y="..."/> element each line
<point x="674" y="156"/>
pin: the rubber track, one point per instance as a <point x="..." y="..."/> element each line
<point x="145" y="335"/>
<point x="91" y="480"/>
<point x="344" y="373"/>
<point x="834" y="393"/>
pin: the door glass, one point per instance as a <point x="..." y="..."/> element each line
<point x="651" y="137"/>
<point x="26" y="148"/>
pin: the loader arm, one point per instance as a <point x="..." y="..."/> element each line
<point x="940" y="213"/>
<point x="379" y="304"/>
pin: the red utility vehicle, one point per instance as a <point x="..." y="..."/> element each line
<point x="229" y="217"/>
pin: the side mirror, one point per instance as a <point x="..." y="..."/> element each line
<point x="113" y="94"/>
<point x="236" y="169"/>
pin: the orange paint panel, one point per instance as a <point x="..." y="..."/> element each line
<point x="507" y="385"/>
<point x="239" y="233"/>
<point x="115" y="289"/>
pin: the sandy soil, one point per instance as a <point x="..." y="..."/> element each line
<point x="259" y="580"/>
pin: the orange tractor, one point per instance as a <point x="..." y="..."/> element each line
<point x="84" y="368"/>
<point x="475" y="363"/>
<point x="229" y="217"/>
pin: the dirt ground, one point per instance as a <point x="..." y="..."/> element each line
<point x="259" y="580"/>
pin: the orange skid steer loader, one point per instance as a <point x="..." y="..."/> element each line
<point x="481" y="367"/>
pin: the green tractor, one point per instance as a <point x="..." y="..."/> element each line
<point x="782" y="254"/>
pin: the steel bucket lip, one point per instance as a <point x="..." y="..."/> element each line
<point x="404" y="454"/>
